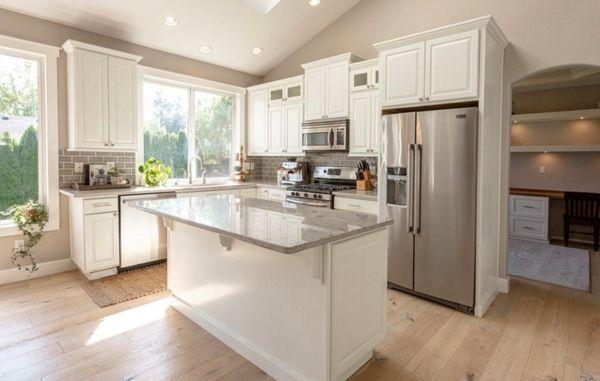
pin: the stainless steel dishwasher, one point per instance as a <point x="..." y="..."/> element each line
<point x="143" y="235"/>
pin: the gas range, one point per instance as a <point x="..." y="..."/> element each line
<point x="326" y="180"/>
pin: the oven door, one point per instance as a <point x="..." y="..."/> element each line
<point x="318" y="138"/>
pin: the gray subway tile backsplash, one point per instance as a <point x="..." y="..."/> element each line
<point x="67" y="159"/>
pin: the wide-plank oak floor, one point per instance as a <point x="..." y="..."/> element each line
<point x="51" y="330"/>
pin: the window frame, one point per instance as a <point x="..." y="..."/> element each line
<point x="192" y="84"/>
<point x="48" y="192"/>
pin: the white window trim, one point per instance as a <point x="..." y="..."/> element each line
<point x="47" y="57"/>
<point x="190" y="82"/>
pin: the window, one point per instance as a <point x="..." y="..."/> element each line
<point x="182" y="122"/>
<point x="28" y="128"/>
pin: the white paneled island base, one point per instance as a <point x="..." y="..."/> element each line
<point x="315" y="313"/>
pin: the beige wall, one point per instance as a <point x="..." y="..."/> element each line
<point x="543" y="33"/>
<point x="561" y="99"/>
<point x="55" y="245"/>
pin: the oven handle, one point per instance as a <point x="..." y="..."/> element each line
<point x="331" y="136"/>
<point x="299" y="202"/>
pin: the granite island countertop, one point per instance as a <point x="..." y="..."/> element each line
<point x="269" y="224"/>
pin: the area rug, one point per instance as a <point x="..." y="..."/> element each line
<point x="127" y="285"/>
<point x="559" y="265"/>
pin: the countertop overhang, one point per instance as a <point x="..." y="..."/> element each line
<point x="249" y="219"/>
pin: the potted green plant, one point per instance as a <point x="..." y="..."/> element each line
<point x="31" y="219"/>
<point x="154" y="172"/>
<point x="117" y="176"/>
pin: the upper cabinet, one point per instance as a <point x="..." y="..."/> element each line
<point x="102" y="97"/>
<point x="275" y="116"/>
<point x="326" y="86"/>
<point x="433" y="67"/>
<point x="365" y="112"/>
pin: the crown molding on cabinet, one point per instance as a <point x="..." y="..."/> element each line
<point x="298" y="78"/>
<point x="487" y="22"/>
<point x="364" y="64"/>
<point x="345" y="57"/>
<point x="69" y="45"/>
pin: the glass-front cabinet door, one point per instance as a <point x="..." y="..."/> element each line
<point x="276" y="95"/>
<point x="293" y="92"/>
<point x="375" y="76"/>
<point x="359" y="79"/>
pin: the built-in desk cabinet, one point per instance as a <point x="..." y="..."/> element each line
<point x="102" y="98"/>
<point x="528" y="217"/>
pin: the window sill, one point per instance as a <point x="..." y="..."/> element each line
<point x="11" y="230"/>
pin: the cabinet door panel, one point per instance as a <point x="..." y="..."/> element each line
<point x="452" y="66"/>
<point x="258" y="122"/>
<point x="293" y="92"/>
<point x="276" y="133"/>
<point x="360" y="120"/>
<point x="402" y="73"/>
<point x="376" y="123"/>
<point x="91" y="97"/>
<point x="293" y="125"/>
<point x="122" y="96"/>
<point x="276" y="95"/>
<point x="359" y="79"/>
<point x="101" y="241"/>
<point x="314" y="86"/>
<point x="336" y="93"/>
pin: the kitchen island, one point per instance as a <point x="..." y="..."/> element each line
<point x="299" y="291"/>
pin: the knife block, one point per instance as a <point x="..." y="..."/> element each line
<point x="365" y="184"/>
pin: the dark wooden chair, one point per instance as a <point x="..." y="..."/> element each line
<point x="582" y="209"/>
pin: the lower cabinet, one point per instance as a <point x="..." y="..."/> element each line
<point x="94" y="229"/>
<point x="528" y="217"/>
<point x="355" y="205"/>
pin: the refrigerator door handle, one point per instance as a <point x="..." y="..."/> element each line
<point x="417" y="207"/>
<point x="411" y="179"/>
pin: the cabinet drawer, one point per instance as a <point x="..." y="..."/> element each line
<point x="529" y="206"/>
<point x="528" y="228"/>
<point x="101" y="205"/>
<point x="355" y="205"/>
<point x="251" y="192"/>
<point x="276" y="195"/>
<point x="262" y="193"/>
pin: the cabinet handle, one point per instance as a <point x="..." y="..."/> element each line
<point x="105" y="144"/>
<point x="115" y="214"/>
<point x="354" y="205"/>
<point x="98" y="204"/>
<point x="112" y="144"/>
<point x="426" y="98"/>
<point x="421" y="99"/>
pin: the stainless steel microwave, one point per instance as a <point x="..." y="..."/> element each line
<point x="328" y="135"/>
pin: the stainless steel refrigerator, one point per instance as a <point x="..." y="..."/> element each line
<point x="429" y="188"/>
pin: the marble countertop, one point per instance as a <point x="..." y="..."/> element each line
<point x="357" y="194"/>
<point x="173" y="188"/>
<point x="269" y="224"/>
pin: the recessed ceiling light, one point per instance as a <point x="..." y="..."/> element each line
<point x="314" y="3"/>
<point x="170" y="21"/>
<point x="256" y="50"/>
<point x="206" y="49"/>
<point x="514" y="121"/>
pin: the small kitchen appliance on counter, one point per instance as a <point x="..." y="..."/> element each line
<point x="294" y="173"/>
<point x="326" y="180"/>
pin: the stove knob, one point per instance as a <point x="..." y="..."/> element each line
<point x="315" y="196"/>
<point x="294" y="193"/>
<point x="305" y="194"/>
<point x="320" y="196"/>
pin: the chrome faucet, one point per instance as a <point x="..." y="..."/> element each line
<point x="204" y="171"/>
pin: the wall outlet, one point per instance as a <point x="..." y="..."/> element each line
<point x="78" y="167"/>
<point x="19" y="244"/>
<point x="542" y="169"/>
<point x="109" y="165"/>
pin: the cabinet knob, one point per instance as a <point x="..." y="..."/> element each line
<point x="105" y="144"/>
<point x="112" y="144"/>
<point x="420" y="98"/>
<point x="426" y="98"/>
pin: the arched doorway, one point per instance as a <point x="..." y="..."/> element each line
<point x="554" y="150"/>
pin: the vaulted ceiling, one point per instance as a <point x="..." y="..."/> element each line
<point x="230" y="27"/>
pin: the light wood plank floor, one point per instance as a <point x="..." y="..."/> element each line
<point x="51" y="330"/>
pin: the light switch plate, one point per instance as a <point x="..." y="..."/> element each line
<point x="542" y="169"/>
<point x="78" y="167"/>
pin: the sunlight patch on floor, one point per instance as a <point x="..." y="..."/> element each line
<point x="130" y="319"/>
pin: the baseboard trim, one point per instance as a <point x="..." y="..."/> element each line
<point x="264" y="361"/>
<point x="44" y="269"/>
<point x="482" y="308"/>
<point x="504" y="285"/>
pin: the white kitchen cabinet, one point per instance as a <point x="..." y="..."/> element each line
<point x="376" y="122"/>
<point x="285" y="92"/>
<point x="528" y="217"/>
<point x="326" y="85"/>
<point x="314" y="85"/>
<point x="365" y="119"/>
<point x="293" y="128"/>
<point x="433" y="70"/>
<point x="258" y="122"/>
<point x="102" y="97"/>
<point x="364" y="75"/>
<point x="451" y="66"/>
<point x="363" y="206"/>
<point x="101" y="241"/>
<point x="94" y="235"/>
<point x="276" y="130"/>
<point x="403" y="74"/>
<point x="122" y="107"/>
